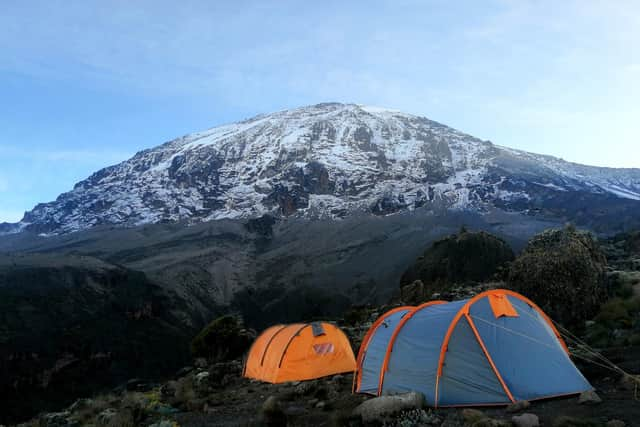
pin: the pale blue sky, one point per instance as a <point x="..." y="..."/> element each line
<point x="85" y="84"/>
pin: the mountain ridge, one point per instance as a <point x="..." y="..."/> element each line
<point x="328" y="160"/>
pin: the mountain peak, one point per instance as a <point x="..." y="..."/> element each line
<point x="327" y="160"/>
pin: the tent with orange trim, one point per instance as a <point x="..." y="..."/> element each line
<point x="301" y="351"/>
<point x="495" y="348"/>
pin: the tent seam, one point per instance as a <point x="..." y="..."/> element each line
<point x="266" y="347"/>
<point x="286" y="347"/>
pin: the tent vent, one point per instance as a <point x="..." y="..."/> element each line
<point x="317" y="329"/>
<point x="501" y="306"/>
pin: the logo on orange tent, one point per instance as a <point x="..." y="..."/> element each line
<point x="324" y="348"/>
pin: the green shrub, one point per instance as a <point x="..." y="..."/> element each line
<point x="457" y="259"/>
<point x="563" y="271"/>
<point x="223" y="339"/>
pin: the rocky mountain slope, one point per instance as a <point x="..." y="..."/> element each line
<point x="332" y="161"/>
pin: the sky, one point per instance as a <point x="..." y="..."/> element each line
<point x="85" y="83"/>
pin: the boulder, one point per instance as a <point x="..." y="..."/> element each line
<point x="378" y="407"/>
<point x="525" y="420"/>
<point x="589" y="397"/>
<point x="616" y="423"/>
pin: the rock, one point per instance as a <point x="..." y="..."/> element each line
<point x="321" y="405"/>
<point x="518" y="406"/>
<point x="377" y="407"/>
<point x="525" y="420"/>
<point x="589" y="397"/>
<point x="271" y="413"/>
<point x="616" y="423"/>
<point x="201" y="382"/>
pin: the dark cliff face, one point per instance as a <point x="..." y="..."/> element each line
<point x="65" y="319"/>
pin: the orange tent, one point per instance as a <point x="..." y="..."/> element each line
<point x="301" y="351"/>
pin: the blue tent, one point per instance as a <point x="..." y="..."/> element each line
<point x="495" y="348"/>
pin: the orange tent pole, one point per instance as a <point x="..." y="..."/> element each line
<point x="367" y="338"/>
<point x="465" y="311"/>
<point x="405" y="319"/>
<point x="486" y="353"/>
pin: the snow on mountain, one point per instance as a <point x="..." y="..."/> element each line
<point x="326" y="160"/>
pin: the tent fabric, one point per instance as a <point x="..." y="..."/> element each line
<point x="495" y="348"/>
<point x="299" y="352"/>
<point x="374" y="348"/>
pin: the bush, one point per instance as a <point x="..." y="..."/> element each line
<point x="458" y="259"/>
<point x="563" y="271"/>
<point x="221" y="340"/>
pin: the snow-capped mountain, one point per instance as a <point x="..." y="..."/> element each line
<point x="326" y="160"/>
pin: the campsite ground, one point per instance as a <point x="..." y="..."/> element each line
<point x="216" y="395"/>
<point x="241" y="405"/>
